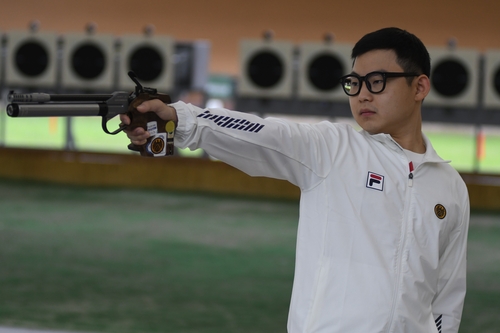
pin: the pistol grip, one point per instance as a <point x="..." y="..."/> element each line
<point x="161" y="141"/>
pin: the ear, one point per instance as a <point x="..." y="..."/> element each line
<point x="423" y="87"/>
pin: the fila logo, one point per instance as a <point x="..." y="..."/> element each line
<point x="375" y="181"/>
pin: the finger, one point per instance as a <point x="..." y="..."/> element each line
<point x="154" y="105"/>
<point x="136" y="135"/>
<point x="139" y="131"/>
<point x="162" y="110"/>
<point x="135" y="131"/>
<point x="138" y="142"/>
<point x="124" y="119"/>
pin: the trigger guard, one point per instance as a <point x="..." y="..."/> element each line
<point x="133" y="147"/>
<point x="104" y="124"/>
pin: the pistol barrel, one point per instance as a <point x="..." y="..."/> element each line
<point x="54" y="110"/>
<point x="43" y="97"/>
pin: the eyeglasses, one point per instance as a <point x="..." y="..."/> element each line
<point x="375" y="81"/>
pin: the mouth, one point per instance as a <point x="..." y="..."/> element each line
<point x="366" y="112"/>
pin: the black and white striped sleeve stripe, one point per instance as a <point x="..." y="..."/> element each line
<point x="439" y="321"/>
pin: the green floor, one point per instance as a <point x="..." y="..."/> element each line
<point x="110" y="260"/>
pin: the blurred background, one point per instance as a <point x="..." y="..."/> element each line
<point x="96" y="238"/>
<point x="268" y="57"/>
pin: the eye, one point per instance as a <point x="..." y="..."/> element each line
<point x="376" y="79"/>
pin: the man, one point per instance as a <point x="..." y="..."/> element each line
<point x="381" y="243"/>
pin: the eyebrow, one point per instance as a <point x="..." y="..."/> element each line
<point x="379" y="70"/>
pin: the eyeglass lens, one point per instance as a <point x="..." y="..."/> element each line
<point x="375" y="83"/>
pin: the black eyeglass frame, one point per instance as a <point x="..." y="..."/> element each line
<point x="362" y="79"/>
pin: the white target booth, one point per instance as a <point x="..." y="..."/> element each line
<point x="454" y="78"/>
<point x="492" y="79"/>
<point x="88" y="61"/>
<point x="150" y="57"/>
<point x="320" y="67"/>
<point x="31" y="59"/>
<point x="266" y="69"/>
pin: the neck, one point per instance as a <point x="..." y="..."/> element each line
<point x="411" y="139"/>
<point x="415" y="144"/>
<point x="409" y="135"/>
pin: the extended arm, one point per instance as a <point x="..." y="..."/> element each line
<point x="299" y="153"/>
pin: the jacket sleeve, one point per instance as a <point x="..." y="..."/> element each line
<point x="268" y="147"/>
<point x="448" y="304"/>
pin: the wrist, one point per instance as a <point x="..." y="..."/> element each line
<point x="172" y="114"/>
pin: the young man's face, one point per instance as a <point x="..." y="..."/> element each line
<point x="392" y="111"/>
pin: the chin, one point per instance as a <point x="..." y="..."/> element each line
<point x="372" y="130"/>
<point x="369" y="129"/>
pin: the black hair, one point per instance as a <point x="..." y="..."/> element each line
<point x="411" y="53"/>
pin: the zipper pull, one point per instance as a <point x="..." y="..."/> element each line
<point x="410" y="176"/>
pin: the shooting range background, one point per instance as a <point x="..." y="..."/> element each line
<point x="225" y="22"/>
<point x="87" y="259"/>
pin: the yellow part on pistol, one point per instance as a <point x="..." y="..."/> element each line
<point x="170" y="127"/>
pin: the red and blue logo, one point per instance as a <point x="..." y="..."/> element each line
<point x="375" y="181"/>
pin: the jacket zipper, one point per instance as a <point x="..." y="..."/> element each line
<point x="410" y="176"/>
<point x="402" y="246"/>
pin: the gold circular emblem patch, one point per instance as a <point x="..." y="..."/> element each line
<point x="157" y="145"/>
<point x="170" y="127"/>
<point x="440" y="211"/>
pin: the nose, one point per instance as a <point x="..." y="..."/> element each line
<point x="364" y="93"/>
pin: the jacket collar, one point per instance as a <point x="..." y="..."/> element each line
<point x="386" y="139"/>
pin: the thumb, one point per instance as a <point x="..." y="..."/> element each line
<point x="153" y="105"/>
<point x="163" y="110"/>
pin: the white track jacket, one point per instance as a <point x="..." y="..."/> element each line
<point x="380" y="248"/>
